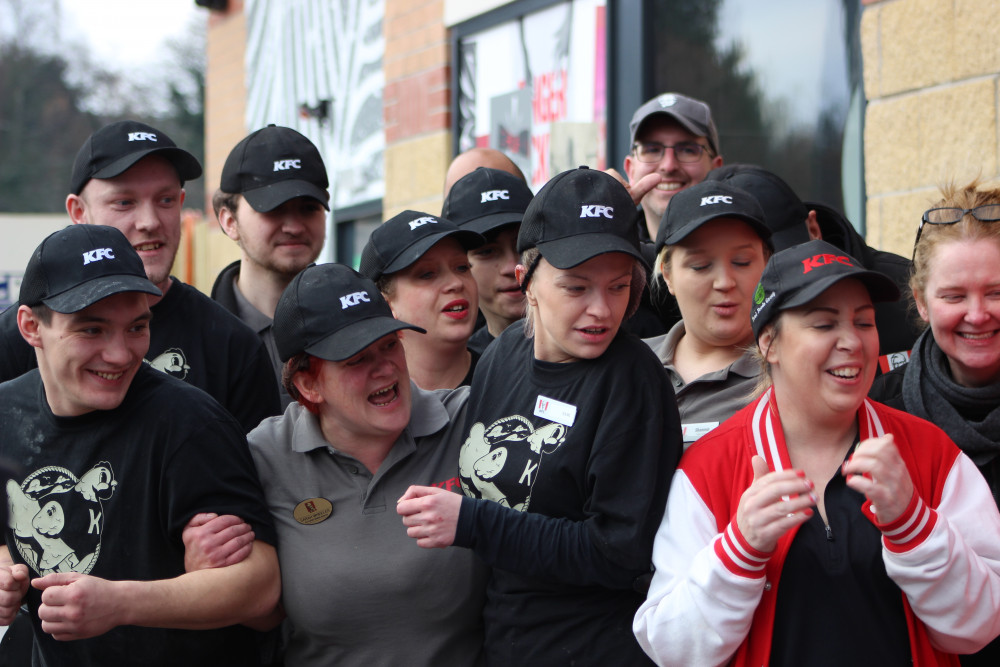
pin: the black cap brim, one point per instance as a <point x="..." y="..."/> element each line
<point x="272" y="196"/>
<point x="678" y="235"/>
<point x="565" y="253"/>
<point x="92" y="291"/>
<point x="355" y="337"/>
<point x="187" y="166"/>
<point x="488" y="223"/>
<point x="466" y="237"/>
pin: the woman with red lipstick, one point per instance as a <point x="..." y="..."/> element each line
<point x="355" y="590"/>
<point x="711" y="248"/>
<point x="571" y="438"/>
<point x="420" y="264"/>
<point x="816" y="527"/>
<point x="953" y="376"/>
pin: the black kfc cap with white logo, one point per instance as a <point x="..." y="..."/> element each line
<point x="272" y="166"/>
<point x="332" y="312"/>
<point x="404" y="238"/>
<point x="80" y="265"/>
<point x="797" y="275"/>
<point x="113" y="149"/>
<point x="486" y="199"/>
<point x="577" y="215"/>
<point x="709" y="200"/>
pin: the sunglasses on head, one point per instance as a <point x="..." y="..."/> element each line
<point x="950" y="215"/>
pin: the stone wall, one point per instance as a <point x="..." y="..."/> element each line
<point x="931" y="72"/>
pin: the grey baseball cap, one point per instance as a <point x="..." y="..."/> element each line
<point x="694" y="115"/>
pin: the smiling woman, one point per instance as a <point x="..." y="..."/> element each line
<point x="953" y="376"/>
<point x="816" y="526"/>
<point x="357" y="436"/>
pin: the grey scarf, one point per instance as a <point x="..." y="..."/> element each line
<point x="929" y="392"/>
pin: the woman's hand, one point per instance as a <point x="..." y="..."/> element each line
<point x="430" y="515"/>
<point x="877" y="470"/>
<point x="775" y="503"/>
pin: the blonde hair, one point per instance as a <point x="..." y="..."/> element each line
<point x="967" y="229"/>
<point x="531" y="256"/>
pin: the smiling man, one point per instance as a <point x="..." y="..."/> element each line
<point x="95" y="543"/>
<point x="272" y="201"/>
<point x="131" y="176"/>
<point x="674" y="136"/>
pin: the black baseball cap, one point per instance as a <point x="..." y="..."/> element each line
<point x="486" y="199"/>
<point x="577" y="215"/>
<point x="795" y="276"/>
<point x="273" y="165"/>
<point x="332" y="312"/>
<point x="694" y="115"/>
<point x="113" y="149"/>
<point x="784" y="212"/>
<point x="79" y="265"/>
<point x="404" y="238"/>
<point x="709" y="200"/>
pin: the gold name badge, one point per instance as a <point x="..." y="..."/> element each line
<point x="313" y="510"/>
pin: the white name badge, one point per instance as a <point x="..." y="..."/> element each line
<point x="555" y="411"/>
<point x="692" y="432"/>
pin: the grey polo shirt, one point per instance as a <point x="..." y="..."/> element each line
<point x="712" y="398"/>
<point x="262" y="324"/>
<point x="356" y="588"/>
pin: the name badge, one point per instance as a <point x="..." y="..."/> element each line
<point x="555" y="411"/>
<point x="692" y="432"/>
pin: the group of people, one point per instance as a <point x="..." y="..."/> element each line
<point x="538" y="487"/>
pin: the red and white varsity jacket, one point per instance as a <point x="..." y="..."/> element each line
<point x="712" y="598"/>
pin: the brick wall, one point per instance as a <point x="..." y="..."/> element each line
<point x="931" y="74"/>
<point x="416" y="105"/>
<point x="204" y="248"/>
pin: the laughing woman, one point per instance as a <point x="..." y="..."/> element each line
<point x="419" y="263"/>
<point x="355" y="588"/>
<point x="953" y="377"/>
<point x="816" y="527"/>
<point x="571" y="437"/>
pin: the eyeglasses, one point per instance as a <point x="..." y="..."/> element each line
<point x="951" y="215"/>
<point x="652" y="151"/>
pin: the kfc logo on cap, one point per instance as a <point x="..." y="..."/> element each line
<point x="97" y="255"/>
<point x="493" y="195"/>
<point x="816" y="261"/>
<point x="667" y="100"/>
<point x="141" y="136"/>
<point x="285" y="165"/>
<point x="353" y="299"/>
<point x="716" y="199"/>
<point x="595" y="211"/>
<point x="420" y="222"/>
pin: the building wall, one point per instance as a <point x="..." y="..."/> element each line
<point x="204" y="248"/>
<point x="417" y="114"/>
<point x="931" y="73"/>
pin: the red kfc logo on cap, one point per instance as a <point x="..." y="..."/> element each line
<point x="817" y="261"/>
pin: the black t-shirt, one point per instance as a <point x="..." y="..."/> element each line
<point x="108" y="494"/>
<point x="193" y="339"/>
<point x="566" y="469"/>
<point x="854" y="610"/>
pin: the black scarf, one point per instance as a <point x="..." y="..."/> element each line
<point x="930" y="393"/>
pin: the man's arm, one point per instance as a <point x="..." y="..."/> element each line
<point x="76" y="606"/>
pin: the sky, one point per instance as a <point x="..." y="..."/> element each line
<point x="104" y="25"/>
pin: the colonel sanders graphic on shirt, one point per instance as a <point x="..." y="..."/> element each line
<point x="500" y="462"/>
<point x="58" y="519"/>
